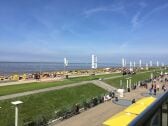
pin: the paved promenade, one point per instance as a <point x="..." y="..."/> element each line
<point x="97" y="115"/>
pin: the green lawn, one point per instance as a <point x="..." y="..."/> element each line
<point x="44" y="104"/>
<point x="135" y="78"/>
<point x="92" y="77"/>
<point x="5" y="90"/>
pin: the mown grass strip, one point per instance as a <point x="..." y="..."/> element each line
<point x="6" y="90"/>
<point x="45" y="104"/>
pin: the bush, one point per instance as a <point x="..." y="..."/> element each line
<point x="65" y="112"/>
<point x="94" y="102"/>
<point x="75" y="109"/>
<point x="61" y="113"/>
<point x="40" y="121"/>
<point x="85" y="105"/>
<point x="100" y="99"/>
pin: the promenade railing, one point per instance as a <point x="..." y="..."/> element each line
<point x="155" y="115"/>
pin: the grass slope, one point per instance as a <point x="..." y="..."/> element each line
<point x="135" y="78"/>
<point x="44" y="104"/>
<point x="5" y="90"/>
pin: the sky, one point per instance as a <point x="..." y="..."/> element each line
<point x="49" y="30"/>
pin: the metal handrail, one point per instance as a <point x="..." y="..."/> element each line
<point x="146" y="115"/>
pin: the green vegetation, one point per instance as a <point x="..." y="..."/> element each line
<point x="94" y="77"/>
<point x="5" y="90"/>
<point x="44" y="105"/>
<point x="135" y="78"/>
<point x="11" y="89"/>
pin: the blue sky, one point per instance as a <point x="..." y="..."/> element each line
<point x="48" y="30"/>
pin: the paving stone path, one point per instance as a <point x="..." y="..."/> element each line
<point x="97" y="115"/>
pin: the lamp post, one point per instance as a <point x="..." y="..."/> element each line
<point x="151" y="76"/>
<point x="65" y="65"/>
<point x="40" y="67"/>
<point x="16" y="104"/>
<point x="127" y="82"/>
<point x="128" y="87"/>
<point x="130" y="81"/>
<point x="120" y="83"/>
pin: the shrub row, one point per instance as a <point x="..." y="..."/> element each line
<point x="65" y="112"/>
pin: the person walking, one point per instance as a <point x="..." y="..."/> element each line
<point x="158" y="87"/>
<point x="154" y="90"/>
<point x="150" y="91"/>
<point x="152" y="86"/>
<point x="163" y="87"/>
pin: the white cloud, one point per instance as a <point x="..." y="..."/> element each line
<point x="153" y="11"/>
<point x="139" y="19"/>
<point x="114" y="8"/>
<point x="135" y="19"/>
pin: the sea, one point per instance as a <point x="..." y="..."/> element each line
<point x="7" y="68"/>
